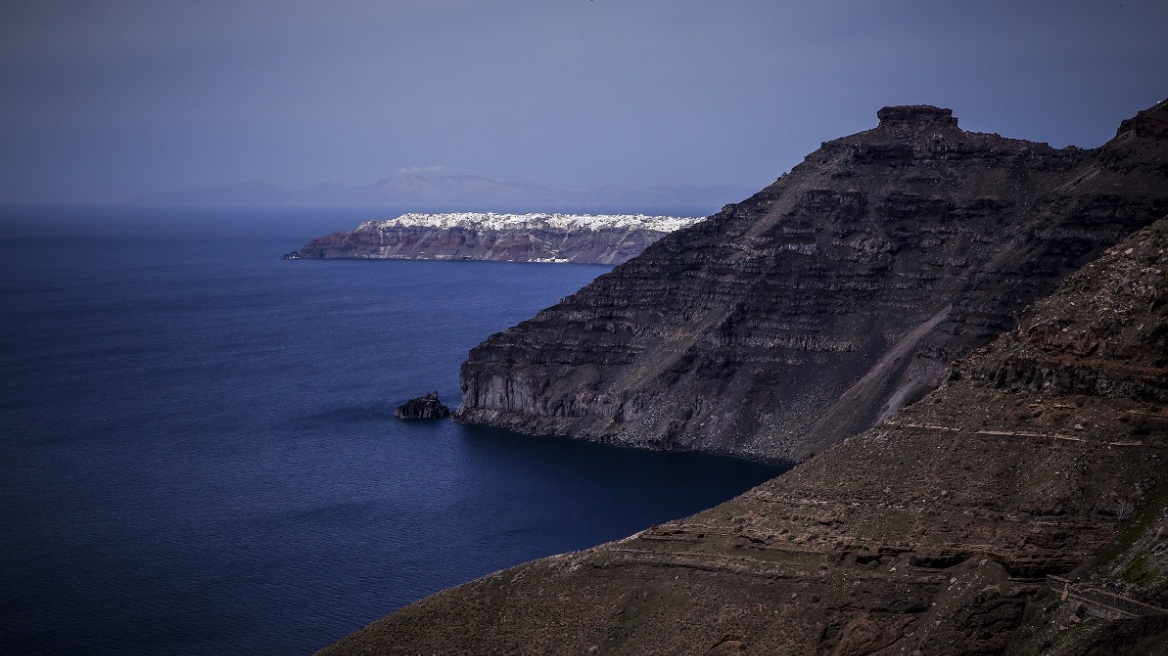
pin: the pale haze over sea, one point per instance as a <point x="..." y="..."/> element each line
<point x="107" y="102"/>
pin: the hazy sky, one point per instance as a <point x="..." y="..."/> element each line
<point x="107" y="99"/>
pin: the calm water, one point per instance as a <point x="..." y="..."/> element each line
<point x="197" y="449"/>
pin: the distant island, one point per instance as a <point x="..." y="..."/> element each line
<point x="569" y="238"/>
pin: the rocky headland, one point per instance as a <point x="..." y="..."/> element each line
<point x="829" y="300"/>
<point x="970" y="335"/>
<point x="1022" y="508"/>
<point x="575" y="238"/>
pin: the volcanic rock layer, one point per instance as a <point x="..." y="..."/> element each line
<point x="827" y="301"/>
<point x="940" y="531"/>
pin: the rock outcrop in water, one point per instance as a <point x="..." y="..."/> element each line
<point x="939" y="531"/>
<point x="580" y="239"/>
<point x="423" y="407"/>
<point x="827" y="301"/>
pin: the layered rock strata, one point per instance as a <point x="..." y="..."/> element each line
<point x="936" y="532"/>
<point x="827" y="301"/>
<point x="579" y="239"/>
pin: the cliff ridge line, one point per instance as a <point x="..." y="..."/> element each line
<point x="741" y="334"/>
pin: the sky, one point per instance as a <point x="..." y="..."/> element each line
<point x="106" y="100"/>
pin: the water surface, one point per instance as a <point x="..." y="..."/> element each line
<point x="197" y="449"/>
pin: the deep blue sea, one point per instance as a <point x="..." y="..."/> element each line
<point x="197" y="446"/>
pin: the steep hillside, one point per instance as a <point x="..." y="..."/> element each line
<point x="935" y="532"/>
<point x="828" y="300"/>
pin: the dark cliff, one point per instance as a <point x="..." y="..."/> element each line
<point x="938" y="532"/>
<point x="827" y="301"/>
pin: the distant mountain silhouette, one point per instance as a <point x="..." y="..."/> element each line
<point x="455" y="192"/>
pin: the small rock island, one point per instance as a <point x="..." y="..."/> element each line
<point x="423" y="407"/>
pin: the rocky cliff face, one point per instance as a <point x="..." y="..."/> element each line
<point x="935" y="532"/>
<point x="581" y="239"/>
<point x="827" y="301"/>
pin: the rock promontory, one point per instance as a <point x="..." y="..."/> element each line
<point x="916" y="116"/>
<point x="1020" y="509"/>
<point x="422" y="407"/>
<point x="575" y="238"/>
<point x="829" y="300"/>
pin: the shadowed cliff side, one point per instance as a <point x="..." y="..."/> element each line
<point x="934" y="532"/>
<point x="828" y="300"/>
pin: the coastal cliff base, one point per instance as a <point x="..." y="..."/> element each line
<point x="1020" y="509"/>
<point x="827" y="301"/>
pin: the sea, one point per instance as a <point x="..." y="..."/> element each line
<point x="198" y="452"/>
